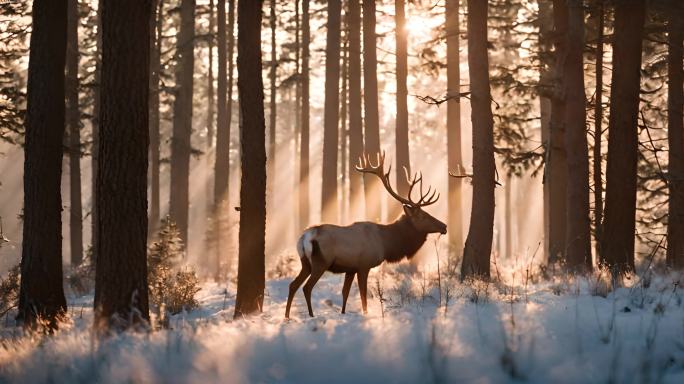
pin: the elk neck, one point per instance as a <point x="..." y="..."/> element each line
<point x="401" y="239"/>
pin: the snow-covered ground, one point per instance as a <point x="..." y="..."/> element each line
<point x="551" y="332"/>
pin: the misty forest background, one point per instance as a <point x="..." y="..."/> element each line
<point x="218" y="130"/>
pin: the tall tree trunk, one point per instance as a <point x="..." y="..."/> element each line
<point x="251" y="269"/>
<point x="41" y="294"/>
<point x="329" y="212"/>
<point x="344" y="131"/>
<point x="155" y="72"/>
<point x="355" y="119"/>
<point x="225" y="109"/>
<point x="402" y="129"/>
<point x="95" y="150"/>
<point x="272" y="108"/>
<point x="121" y="297"/>
<point x="304" y="141"/>
<point x="454" y="158"/>
<point x="478" y="247"/>
<point x="675" y="228"/>
<point x="74" y="133"/>
<point x="182" y="120"/>
<point x="555" y="173"/>
<point x="370" y="105"/>
<point x="617" y="244"/>
<point x="598" y="131"/>
<point x="578" y="235"/>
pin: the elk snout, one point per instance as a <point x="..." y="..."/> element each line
<point x="443" y="229"/>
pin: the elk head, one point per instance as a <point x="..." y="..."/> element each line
<point x="413" y="209"/>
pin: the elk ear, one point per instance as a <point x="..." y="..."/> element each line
<point x="409" y="210"/>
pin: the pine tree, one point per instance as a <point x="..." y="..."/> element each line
<point x="41" y="295"/>
<point x="121" y="294"/>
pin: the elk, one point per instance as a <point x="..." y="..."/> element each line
<point x="355" y="249"/>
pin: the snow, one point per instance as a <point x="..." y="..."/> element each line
<point x="549" y="332"/>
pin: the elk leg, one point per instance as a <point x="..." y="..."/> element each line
<point x="348" y="279"/>
<point x="317" y="271"/>
<point x="296" y="283"/>
<point x="363" y="285"/>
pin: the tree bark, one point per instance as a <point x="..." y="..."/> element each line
<point x="74" y="133"/>
<point x="304" y="140"/>
<point x="370" y="103"/>
<point x="355" y="118"/>
<point x="617" y="244"/>
<point x="224" y="111"/>
<point x="121" y="299"/>
<point x="41" y="294"/>
<point x="155" y="72"/>
<point x="675" y="96"/>
<point x="251" y="268"/>
<point x="454" y="157"/>
<point x="329" y="212"/>
<point x="598" y="131"/>
<point x="578" y="235"/>
<point x="555" y="173"/>
<point x="402" y="128"/>
<point x="478" y="247"/>
<point x="182" y="120"/>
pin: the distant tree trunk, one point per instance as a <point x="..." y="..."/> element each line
<point x="221" y="160"/>
<point x="329" y="212"/>
<point x="210" y="120"/>
<point x="251" y="269"/>
<point x="675" y="228"/>
<point x="298" y="118"/>
<point x="578" y="237"/>
<point x="617" y="244"/>
<point x="598" y="131"/>
<point x="478" y="247"/>
<point x="225" y="109"/>
<point x="74" y="133"/>
<point x="508" y="216"/>
<point x="355" y="119"/>
<point x="155" y="72"/>
<point x="41" y="294"/>
<point x="210" y="79"/>
<point x="370" y="104"/>
<point x="182" y="120"/>
<point x="304" y="141"/>
<point x="344" y="132"/>
<point x="454" y="159"/>
<point x="402" y="128"/>
<point x="545" y="24"/>
<point x="95" y="123"/>
<point x="271" y="162"/>
<point x="556" y="169"/>
<point x="121" y="299"/>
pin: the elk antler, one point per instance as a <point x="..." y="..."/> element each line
<point x="366" y="166"/>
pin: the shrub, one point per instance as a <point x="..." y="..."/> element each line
<point x="82" y="277"/>
<point x="9" y="290"/>
<point x="171" y="290"/>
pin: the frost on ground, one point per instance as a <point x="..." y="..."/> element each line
<point x="564" y="331"/>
